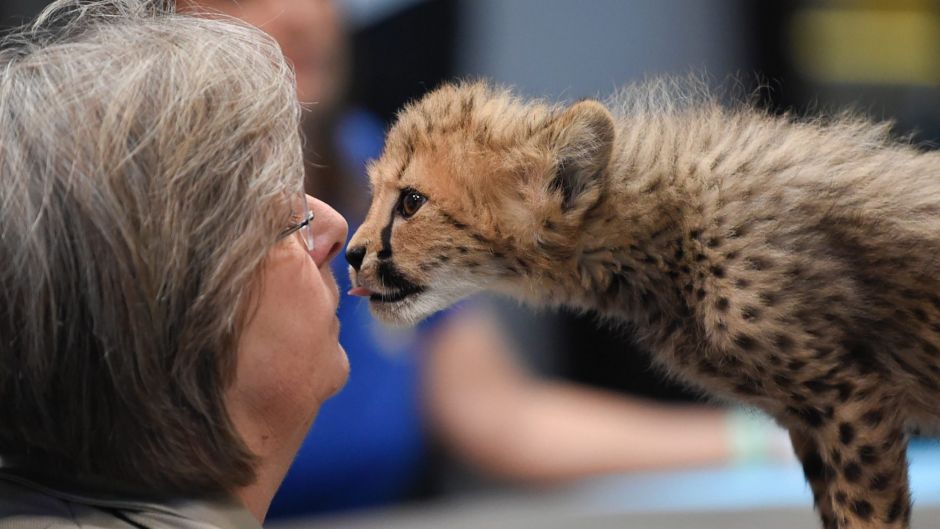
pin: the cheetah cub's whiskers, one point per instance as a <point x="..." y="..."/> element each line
<point x="792" y="265"/>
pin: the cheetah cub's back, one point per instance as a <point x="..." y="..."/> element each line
<point x="794" y="266"/>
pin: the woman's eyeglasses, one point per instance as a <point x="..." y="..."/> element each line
<point x="300" y="208"/>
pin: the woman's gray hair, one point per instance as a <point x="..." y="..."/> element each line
<point x="145" y="157"/>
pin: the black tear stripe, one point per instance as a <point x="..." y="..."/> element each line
<point x="386" y="236"/>
<point x="389" y="275"/>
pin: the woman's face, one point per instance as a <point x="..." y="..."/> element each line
<point x="289" y="356"/>
<point x="310" y="35"/>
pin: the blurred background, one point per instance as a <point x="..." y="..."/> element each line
<point x="492" y="416"/>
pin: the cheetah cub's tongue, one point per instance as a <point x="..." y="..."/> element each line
<point x="361" y="292"/>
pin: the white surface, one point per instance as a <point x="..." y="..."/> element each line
<point x="769" y="497"/>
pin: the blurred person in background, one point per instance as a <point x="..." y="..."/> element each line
<point x="167" y="306"/>
<point x="458" y="380"/>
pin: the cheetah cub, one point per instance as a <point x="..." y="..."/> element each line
<point x="791" y="265"/>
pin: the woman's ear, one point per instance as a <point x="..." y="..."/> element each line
<point x="581" y="139"/>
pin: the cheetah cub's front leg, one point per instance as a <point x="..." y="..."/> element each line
<point x="789" y="265"/>
<point x="858" y="474"/>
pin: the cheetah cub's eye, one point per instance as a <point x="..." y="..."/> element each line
<point x="410" y="202"/>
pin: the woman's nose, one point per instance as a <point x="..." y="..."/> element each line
<point x="329" y="231"/>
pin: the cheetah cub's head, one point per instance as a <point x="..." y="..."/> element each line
<point x="476" y="190"/>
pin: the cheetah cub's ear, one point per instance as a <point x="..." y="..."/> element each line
<point x="580" y="141"/>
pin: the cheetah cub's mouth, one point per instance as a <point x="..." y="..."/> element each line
<point x="387" y="297"/>
<point x="391" y="285"/>
<point x="397" y="300"/>
<point x="391" y="294"/>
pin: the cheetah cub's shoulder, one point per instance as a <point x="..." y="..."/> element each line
<point x="788" y="264"/>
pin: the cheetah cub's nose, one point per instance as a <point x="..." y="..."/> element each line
<point x="355" y="255"/>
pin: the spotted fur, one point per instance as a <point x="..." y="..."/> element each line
<point x="793" y="265"/>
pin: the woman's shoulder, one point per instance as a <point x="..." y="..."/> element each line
<point x="27" y="504"/>
<point x="21" y="507"/>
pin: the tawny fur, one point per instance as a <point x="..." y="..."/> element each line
<point x="793" y="265"/>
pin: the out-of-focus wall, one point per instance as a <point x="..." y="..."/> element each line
<point x="573" y="48"/>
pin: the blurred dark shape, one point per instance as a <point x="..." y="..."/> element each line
<point x="404" y="56"/>
<point x="607" y="357"/>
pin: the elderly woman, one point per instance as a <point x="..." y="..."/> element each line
<point x="167" y="310"/>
